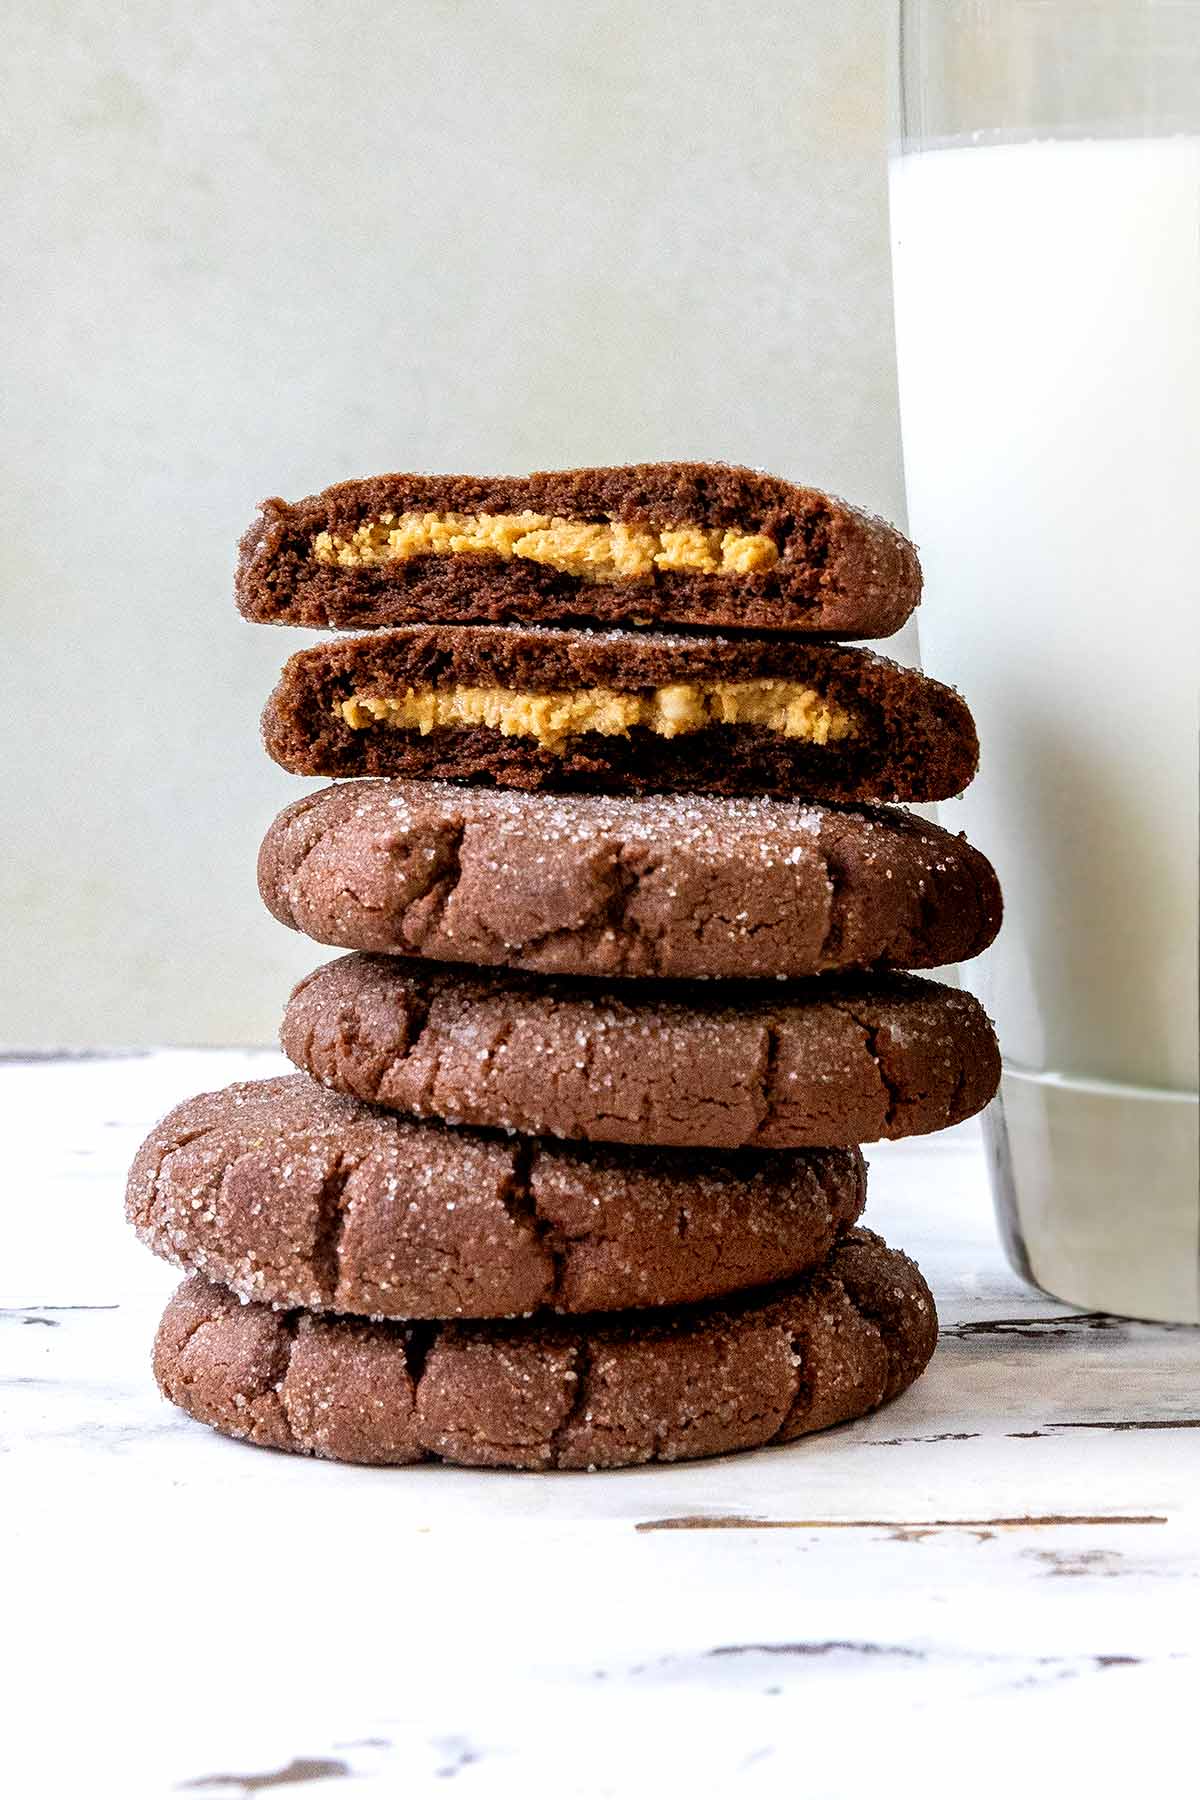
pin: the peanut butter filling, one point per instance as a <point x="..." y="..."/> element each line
<point x="552" y="719"/>
<point x="594" y="553"/>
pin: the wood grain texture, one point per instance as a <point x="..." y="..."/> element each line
<point x="1008" y="1557"/>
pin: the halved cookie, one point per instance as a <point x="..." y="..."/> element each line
<point x="623" y="712"/>
<point x="650" y="544"/>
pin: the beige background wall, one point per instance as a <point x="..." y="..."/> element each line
<point x="263" y="246"/>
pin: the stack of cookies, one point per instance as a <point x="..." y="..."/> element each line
<point x="570" y="1175"/>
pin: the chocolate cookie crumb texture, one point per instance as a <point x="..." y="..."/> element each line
<point x="697" y="544"/>
<point x="621" y="712"/>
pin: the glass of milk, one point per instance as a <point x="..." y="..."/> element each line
<point x="1045" y="204"/>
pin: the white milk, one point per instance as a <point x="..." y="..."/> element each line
<point x="1048" y="331"/>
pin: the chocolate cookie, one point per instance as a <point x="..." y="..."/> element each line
<point x="621" y="711"/>
<point x="581" y="884"/>
<point x="290" y="1194"/>
<point x="603" y="1394"/>
<point x="764" y="1066"/>
<point x="657" y="543"/>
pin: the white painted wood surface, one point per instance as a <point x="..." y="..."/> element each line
<point x="990" y="1586"/>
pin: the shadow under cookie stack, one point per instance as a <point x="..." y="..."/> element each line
<point x="570" y="1175"/>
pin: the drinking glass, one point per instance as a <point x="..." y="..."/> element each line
<point x="1045" y="205"/>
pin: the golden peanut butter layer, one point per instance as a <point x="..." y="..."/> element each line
<point x="604" y="552"/>
<point x="789" y="708"/>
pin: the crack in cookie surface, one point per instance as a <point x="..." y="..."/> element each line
<point x="608" y="1392"/>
